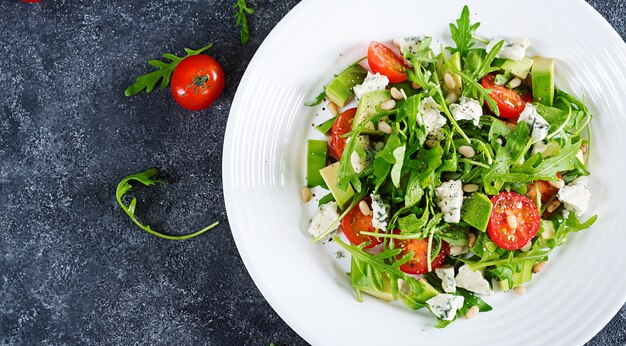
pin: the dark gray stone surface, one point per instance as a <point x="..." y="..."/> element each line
<point x="73" y="269"/>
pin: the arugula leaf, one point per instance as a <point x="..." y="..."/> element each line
<point x="414" y="191"/>
<point x="396" y="170"/>
<point x="462" y="33"/>
<point x="146" y="179"/>
<point x="163" y="73"/>
<point x="471" y="300"/>
<point x="318" y="99"/>
<point x="241" y="17"/>
<point x="505" y="157"/>
<point x="485" y="67"/>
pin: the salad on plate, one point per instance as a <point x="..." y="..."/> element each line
<point x="452" y="172"/>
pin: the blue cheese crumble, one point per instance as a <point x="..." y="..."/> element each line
<point x="512" y="49"/>
<point x="409" y="45"/>
<point x="539" y="125"/>
<point x="373" y="82"/>
<point x="473" y="281"/>
<point x="380" y="212"/>
<point x="364" y="153"/>
<point x="467" y="109"/>
<point x="445" y="305"/>
<point x="575" y="196"/>
<point x="446" y="274"/>
<point x="450" y="200"/>
<point x="431" y="117"/>
<point x="324" y="218"/>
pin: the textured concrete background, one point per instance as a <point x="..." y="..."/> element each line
<point x="73" y="269"/>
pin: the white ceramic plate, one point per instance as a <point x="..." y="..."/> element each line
<point x="264" y="167"/>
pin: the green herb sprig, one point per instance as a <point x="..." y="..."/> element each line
<point x="241" y="17"/>
<point x="163" y="73"/>
<point x="462" y="33"/>
<point x="146" y="178"/>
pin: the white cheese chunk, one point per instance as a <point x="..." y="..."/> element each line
<point x="450" y="200"/>
<point x="467" y="109"/>
<point x="380" y="212"/>
<point x="447" y="279"/>
<point x="373" y="82"/>
<point x="472" y="281"/>
<point x="576" y="195"/>
<point x="324" y="218"/>
<point x="431" y="117"/>
<point x="408" y="44"/>
<point x="369" y="148"/>
<point x="445" y="305"/>
<point x="513" y="49"/>
<point x="538" y="124"/>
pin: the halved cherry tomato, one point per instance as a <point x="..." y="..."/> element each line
<point x="526" y="217"/>
<point x="341" y="126"/>
<point x="197" y="81"/>
<point x="545" y="188"/>
<point x="510" y="103"/>
<point x="385" y="61"/>
<point x="356" y="222"/>
<point x="418" y="264"/>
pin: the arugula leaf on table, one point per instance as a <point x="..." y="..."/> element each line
<point x="241" y="17"/>
<point x="462" y="33"/>
<point x="146" y="179"/>
<point x="163" y="73"/>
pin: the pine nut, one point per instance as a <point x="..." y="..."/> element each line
<point x="384" y="127"/>
<point x="520" y="290"/>
<point x="470" y="188"/>
<point x="449" y="81"/>
<point x="584" y="149"/>
<point x="511" y="220"/>
<point x="388" y="105"/>
<point x="527" y="246"/>
<point x="539" y="267"/>
<point x="396" y="94"/>
<point x="452" y="97"/>
<point x="306" y="194"/>
<point x="466" y="151"/>
<point x="515" y="82"/>
<point x="415" y="86"/>
<point x="553" y="205"/>
<point x="471" y="312"/>
<point x="364" y="208"/>
<point x="332" y="108"/>
<point x="431" y="143"/>
<point x="499" y="140"/>
<point x="557" y="183"/>
<point x="472" y="239"/>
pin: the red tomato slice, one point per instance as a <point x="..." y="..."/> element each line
<point x="526" y="216"/>
<point x="545" y="188"/>
<point x="418" y="264"/>
<point x="197" y="81"/>
<point x="354" y="223"/>
<point x="341" y="126"/>
<point x="385" y="61"/>
<point x="510" y="103"/>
